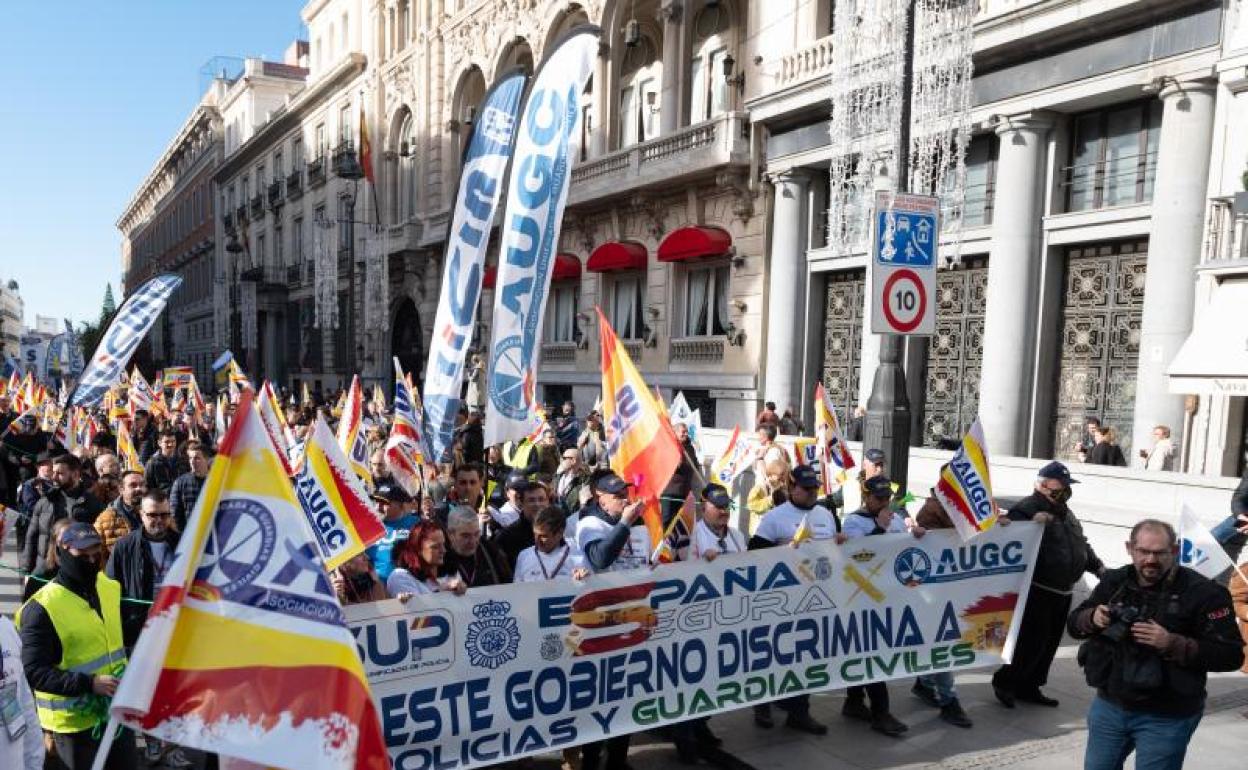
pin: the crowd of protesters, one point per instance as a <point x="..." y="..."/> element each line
<point x="545" y="509"/>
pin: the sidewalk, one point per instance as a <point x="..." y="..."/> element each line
<point x="1026" y="738"/>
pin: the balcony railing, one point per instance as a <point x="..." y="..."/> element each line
<point x="274" y="275"/>
<point x="276" y="195"/>
<point x="698" y="349"/>
<point x="345" y="163"/>
<point x="316" y="172"/>
<point x="813" y="61"/>
<point x="558" y="352"/>
<point x="699" y="148"/>
<point x="1226" y="231"/>
<point x="294" y="185"/>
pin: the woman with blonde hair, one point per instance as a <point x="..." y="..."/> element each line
<point x="770" y="490"/>
<point x="1105" y="450"/>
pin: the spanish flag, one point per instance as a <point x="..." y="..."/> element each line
<point x="366" y="149"/>
<point x="263" y="669"/>
<point x="644" y="450"/>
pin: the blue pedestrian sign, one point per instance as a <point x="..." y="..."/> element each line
<point x="910" y="238"/>
<point x="904" y="244"/>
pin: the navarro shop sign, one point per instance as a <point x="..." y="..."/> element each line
<point x="506" y="672"/>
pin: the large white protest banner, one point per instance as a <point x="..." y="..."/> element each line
<point x="547" y="142"/>
<point x="505" y="672"/>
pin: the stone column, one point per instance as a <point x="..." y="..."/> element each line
<point x="672" y="14"/>
<point x="786" y="288"/>
<point x="1179" y="197"/>
<point x="600" y="131"/>
<point x="1013" y="274"/>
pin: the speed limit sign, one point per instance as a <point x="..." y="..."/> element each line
<point x="903" y="263"/>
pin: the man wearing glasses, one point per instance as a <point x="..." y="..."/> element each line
<point x="1063" y="557"/>
<point x="140" y="560"/>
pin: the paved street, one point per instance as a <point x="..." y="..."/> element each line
<point x="1025" y="738"/>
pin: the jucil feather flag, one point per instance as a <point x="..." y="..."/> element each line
<point x="245" y="651"/>
<point x="342" y="517"/>
<point x="965" y="488"/>
<point x="404" y="450"/>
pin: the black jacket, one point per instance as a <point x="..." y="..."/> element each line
<point x="78" y="504"/>
<point x="131" y="564"/>
<point x="1106" y="453"/>
<point x="162" y="471"/>
<point x="182" y="496"/>
<point x="473" y="442"/>
<point x="1239" y="498"/>
<point x="486" y="567"/>
<point x="1064" y="550"/>
<point x="1198" y="614"/>
<point x="681" y="483"/>
<point x="41" y="646"/>
<point x="513" y="539"/>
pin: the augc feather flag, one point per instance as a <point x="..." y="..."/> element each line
<point x="965" y="488"/>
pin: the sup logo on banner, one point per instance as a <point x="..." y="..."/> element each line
<point x="494" y="637"/>
<point x="399" y="647"/>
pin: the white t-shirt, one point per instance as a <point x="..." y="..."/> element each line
<point x="634" y="555"/>
<point x="532" y="565"/>
<point x="704" y="540"/>
<point x="861" y="526"/>
<point x="162" y="557"/>
<point x="403" y="582"/>
<point x="26" y="752"/>
<point x="781" y="523"/>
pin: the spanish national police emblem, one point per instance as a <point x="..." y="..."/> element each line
<point x="494" y="637"/>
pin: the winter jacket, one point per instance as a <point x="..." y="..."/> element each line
<point x="78" y="504"/>
<point x="681" y="483"/>
<point x="182" y="497"/>
<point x="161" y="471"/>
<point x="132" y="565"/>
<point x="116" y="522"/>
<point x="1064" y="550"/>
<point x="1106" y="453"/>
<point x="1239" y="600"/>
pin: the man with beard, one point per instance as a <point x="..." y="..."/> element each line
<point x="73" y="652"/>
<point x="122" y="516"/>
<point x="68" y="497"/>
<point x="140" y="560"/>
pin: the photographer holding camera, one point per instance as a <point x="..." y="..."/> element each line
<point x="1153" y="630"/>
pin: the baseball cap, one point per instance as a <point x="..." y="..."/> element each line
<point x="804" y="476"/>
<point x="874" y="455"/>
<point x="391" y="493"/>
<point x="79" y="535"/>
<point x="878" y="486"/>
<point x="612" y="484"/>
<point x="716" y="495"/>
<point x="1057" y="472"/>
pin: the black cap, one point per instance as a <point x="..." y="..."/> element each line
<point x="874" y="455"/>
<point x="878" y="486"/>
<point x="79" y="535"/>
<point x="612" y="485"/>
<point x="716" y="495"/>
<point x="804" y="476"/>
<point x="1057" y="472"/>
<point x="517" y="481"/>
<point x="391" y="493"/>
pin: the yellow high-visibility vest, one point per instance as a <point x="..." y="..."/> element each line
<point x="89" y="645"/>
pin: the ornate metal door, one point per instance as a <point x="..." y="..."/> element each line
<point x="842" y="339"/>
<point x="1100" y="340"/>
<point x="956" y="351"/>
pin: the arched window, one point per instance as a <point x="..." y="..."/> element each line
<point x="641" y="77"/>
<point x="407" y="168"/>
<point x="708" y="86"/>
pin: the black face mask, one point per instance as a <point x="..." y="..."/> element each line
<point x="80" y="570"/>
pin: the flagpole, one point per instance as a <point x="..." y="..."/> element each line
<point x="106" y="745"/>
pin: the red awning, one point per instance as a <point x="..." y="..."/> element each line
<point x="567" y="268"/>
<point x="694" y="243"/>
<point x="617" y="255"/>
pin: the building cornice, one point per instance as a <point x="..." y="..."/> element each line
<point x="307" y="100"/>
<point x="203" y="112"/>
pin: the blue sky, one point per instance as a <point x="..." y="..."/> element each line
<point x="94" y="91"/>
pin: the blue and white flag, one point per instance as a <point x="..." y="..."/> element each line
<point x="129" y="327"/>
<point x="1198" y="549"/>
<point x="546" y="144"/>
<point x="480" y="187"/>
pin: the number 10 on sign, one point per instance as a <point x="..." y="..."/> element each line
<point x="903" y="264"/>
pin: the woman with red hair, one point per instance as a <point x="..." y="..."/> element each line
<point x="418" y="561"/>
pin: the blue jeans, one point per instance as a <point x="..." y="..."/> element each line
<point x="940" y="683"/>
<point x="1229" y="537"/>
<point x="1159" y="742"/>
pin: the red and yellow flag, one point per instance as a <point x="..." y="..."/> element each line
<point x="262" y="669"/>
<point x="643" y="448"/>
<point x="366" y="149"/>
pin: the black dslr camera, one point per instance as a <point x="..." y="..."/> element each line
<point x="1121" y="616"/>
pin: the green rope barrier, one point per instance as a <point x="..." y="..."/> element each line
<point x="32" y="576"/>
